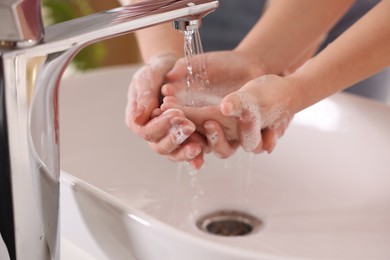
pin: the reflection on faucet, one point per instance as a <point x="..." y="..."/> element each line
<point x="29" y="138"/>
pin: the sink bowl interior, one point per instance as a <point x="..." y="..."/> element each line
<point x="322" y="194"/>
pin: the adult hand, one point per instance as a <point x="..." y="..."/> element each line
<point x="145" y="88"/>
<point x="226" y="72"/>
<point x="167" y="132"/>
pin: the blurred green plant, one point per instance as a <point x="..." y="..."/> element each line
<point x="56" y="11"/>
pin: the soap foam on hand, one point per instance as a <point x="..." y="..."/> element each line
<point x="250" y="117"/>
<point x="179" y="134"/>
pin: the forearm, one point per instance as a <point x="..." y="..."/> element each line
<point x="289" y="29"/>
<point x="360" y="52"/>
<point x="159" y="39"/>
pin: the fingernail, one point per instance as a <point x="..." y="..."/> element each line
<point x="188" y="129"/>
<point x="186" y="125"/>
<point x="180" y="133"/>
<point x="177" y="121"/>
<point x="162" y="119"/>
<point x="191" y="153"/>
<point x="227" y="108"/>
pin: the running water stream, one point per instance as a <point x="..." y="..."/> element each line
<point x="197" y="80"/>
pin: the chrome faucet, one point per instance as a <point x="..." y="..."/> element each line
<point x="33" y="59"/>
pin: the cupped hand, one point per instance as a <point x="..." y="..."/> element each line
<point x="255" y="116"/>
<point x="226" y="71"/>
<point x="168" y="133"/>
<point x="220" y="131"/>
<point x="263" y="108"/>
<point x="145" y="88"/>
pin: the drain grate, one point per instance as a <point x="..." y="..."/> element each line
<point x="229" y="223"/>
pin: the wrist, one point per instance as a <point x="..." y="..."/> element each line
<point x="256" y="66"/>
<point x="163" y="55"/>
<point x="299" y="89"/>
<point x="161" y="62"/>
<point x="159" y="39"/>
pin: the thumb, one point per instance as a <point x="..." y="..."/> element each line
<point x="244" y="106"/>
<point x="231" y="105"/>
<point x="235" y="103"/>
<point x="179" y="70"/>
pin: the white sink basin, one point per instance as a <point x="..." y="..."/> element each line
<point x="324" y="193"/>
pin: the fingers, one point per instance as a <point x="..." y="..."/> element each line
<point x="187" y="152"/>
<point x="231" y="105"/>
<point x="142" y="97"/>
<point x="199" y="115"/>
<point x="269" y="139"/>
<point x="171" y="122"/>
<point x="144" y="90"/>
<point x="174" y="136"/>
<point x="178" y="133"/>
<point x="178" y="71"/>
<point x="270" y="136"/>
<point x="179" y="78"/>
<point x="191" y="151"/>
<point x="194" y="114"/>
<point x="245" y="108"/>
<point x="217" y="141"/>
<point x="176" y="77"/>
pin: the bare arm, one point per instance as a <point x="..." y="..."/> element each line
<point x="290" y="30"/>
<point x="360" y="52"/>
<point x="157" y="40"/>
<point x="160" y="39"/>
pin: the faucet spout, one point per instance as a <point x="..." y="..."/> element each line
<point x="31" y="67"/>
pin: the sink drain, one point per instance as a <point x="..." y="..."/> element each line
<point x="229" y="223"/>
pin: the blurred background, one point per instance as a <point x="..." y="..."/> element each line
<point x="106" y="53"/>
